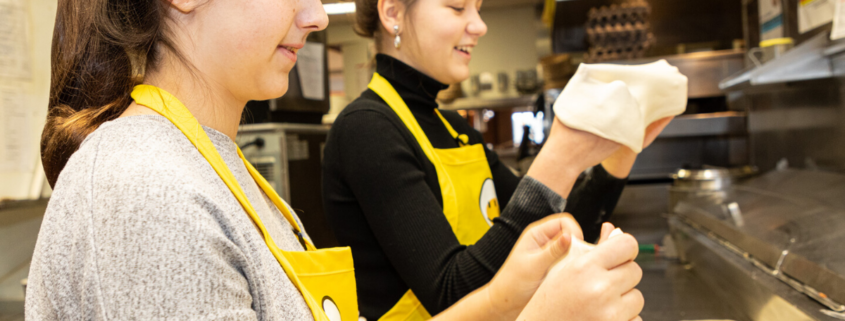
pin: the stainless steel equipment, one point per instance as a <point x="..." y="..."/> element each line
<point x="290" y="157"/>
<point x="773" y="241"/>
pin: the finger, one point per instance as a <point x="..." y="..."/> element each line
<point x="654" y="129"/>
<point x="556" y="250"/>
<point x="570" y="225"/>
<point x="660" y="123"/>
<point x="544" y="230"/>
<point x="626" y="276"/>
<point x="615" y="251"/>
<point x="606" y="229"/>
<point x="631" y="305"/>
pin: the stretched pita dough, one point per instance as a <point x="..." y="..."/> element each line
<point x="618" y="102"/>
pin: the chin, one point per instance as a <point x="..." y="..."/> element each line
<point x="459" y="71"/>
<point x="274" y="92"/>
<point x="459" y="76"/>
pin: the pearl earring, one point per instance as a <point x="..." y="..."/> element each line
<point x="396" y="41"/>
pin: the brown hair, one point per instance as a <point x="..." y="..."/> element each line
<point x="367" y="21"/>
<point x="100" y="50"/>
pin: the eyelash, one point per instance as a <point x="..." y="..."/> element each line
<point x="458" y="9"/>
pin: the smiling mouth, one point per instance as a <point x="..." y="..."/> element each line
<point x="465" y="49"/>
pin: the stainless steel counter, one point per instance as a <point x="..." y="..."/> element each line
<point x="792" y="222"/>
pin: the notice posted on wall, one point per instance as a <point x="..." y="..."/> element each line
<point x="14" y="51"/>
<point x="838" y="31"/>
<point x="771" y="19"/>
<point x="15" y="142"/>
<point x="814" y="13"/>
<point x="310" y="65"/>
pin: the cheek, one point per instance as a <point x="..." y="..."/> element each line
<point x="249" y="61"/>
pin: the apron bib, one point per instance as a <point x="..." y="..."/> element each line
<point x="466" y="185"/>
<point x="326" y="277"/>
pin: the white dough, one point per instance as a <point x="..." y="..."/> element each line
<point x="618" y="102"/>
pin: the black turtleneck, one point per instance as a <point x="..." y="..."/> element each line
<point x="382" y="198"/>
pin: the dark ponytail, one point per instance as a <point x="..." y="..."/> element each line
<point x="101" y="49"/>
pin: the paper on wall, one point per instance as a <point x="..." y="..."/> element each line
<point x="310" y="65"/>
<point x="838" y="21"/>
<point x="15" y="142"/>
<point x="14" y="53"/>
<point x="814" y="13"/>
<point x="771" y="19"/>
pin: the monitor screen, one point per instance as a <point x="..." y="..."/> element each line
<point x="534" y="123"/>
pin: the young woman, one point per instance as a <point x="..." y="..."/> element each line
<point x="413" y="190"/>
<point x="155" y="214"/>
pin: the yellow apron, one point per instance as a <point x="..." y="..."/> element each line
<point x="466" y="185"/>
<point x="325" y="277"/>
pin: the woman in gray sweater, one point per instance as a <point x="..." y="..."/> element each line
<point x="143" y="223"/>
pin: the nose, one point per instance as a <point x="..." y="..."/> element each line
<point x="312" y="16"/>
<point x="476" y="26"/>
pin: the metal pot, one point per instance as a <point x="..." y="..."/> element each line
<point x="710" y="182"/>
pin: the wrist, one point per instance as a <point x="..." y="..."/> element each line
<point x="499" y="306"/>
<point x="557" y="172"/>
<point x="619" y="164"/>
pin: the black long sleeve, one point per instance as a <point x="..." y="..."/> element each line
<point x="382" y="198"/>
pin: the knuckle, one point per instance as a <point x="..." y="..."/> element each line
<point x="639" y="300"/>
<point x="599" y="288"/>
<point x="638" y="272"/>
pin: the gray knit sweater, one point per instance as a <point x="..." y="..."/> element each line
<point x="140" y="227"/>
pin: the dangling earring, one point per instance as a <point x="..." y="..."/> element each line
<point x="396" y="41"/>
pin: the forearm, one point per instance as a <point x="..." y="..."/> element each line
<point x="566" y="154"/>
<point x="475" y="306"/>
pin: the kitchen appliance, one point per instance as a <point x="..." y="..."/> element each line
<point x="290" y="157"/>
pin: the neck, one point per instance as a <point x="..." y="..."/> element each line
<point x="210" y="103"/>
<point x="390" y="50"/>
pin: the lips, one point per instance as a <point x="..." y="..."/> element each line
<point x="288" y="51"/>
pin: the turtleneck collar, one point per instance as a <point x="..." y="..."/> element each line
<point x="411" y="80"/>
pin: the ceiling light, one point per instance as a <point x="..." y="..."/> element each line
<point x="339" y="8"/>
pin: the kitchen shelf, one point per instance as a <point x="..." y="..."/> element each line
<point x="490" y="103"/>
<point x="808" y="61"/>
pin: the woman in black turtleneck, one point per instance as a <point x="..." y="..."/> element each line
<point x="382" y="198"/>
<point x="381" y="192"/>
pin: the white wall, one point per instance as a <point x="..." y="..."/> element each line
<point x="39" y="16"/>
<point x="509" y="45"/>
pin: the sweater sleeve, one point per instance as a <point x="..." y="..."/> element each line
<point x="593" y="199"/>
<point x="388" y="179"/>
<point x="591" y="202"/>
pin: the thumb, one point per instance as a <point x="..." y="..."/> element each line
<point x="555" y="250"/>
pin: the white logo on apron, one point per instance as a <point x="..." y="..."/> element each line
<point x="488" y="202"/>
<point x="332" y="312"/>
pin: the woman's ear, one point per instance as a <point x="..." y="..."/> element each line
<point x="186" y="6"/>
<point x="391" y="13"/>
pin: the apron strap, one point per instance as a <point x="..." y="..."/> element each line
<point x="462" y="139"/>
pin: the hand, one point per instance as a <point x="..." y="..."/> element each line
<point x="598" y="285"/>
<point x="606" y="229"/>
<point x="566" y="153"/>
<point x="654" y="129"/>
<point x="620" y="163"/>
<point x="540" y="246"/>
